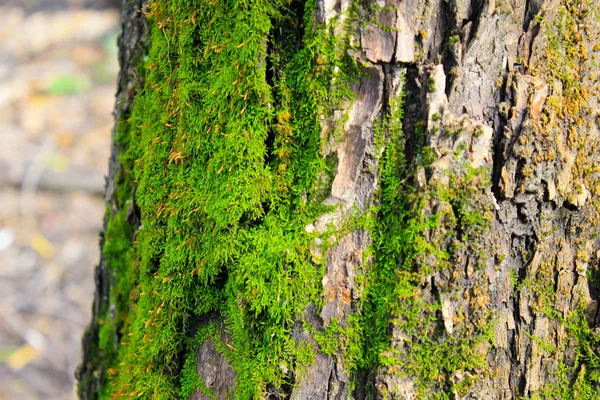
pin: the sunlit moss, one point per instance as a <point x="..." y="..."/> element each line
<point x="224" y="148"/>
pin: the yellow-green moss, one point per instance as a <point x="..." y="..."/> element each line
<point x="566" y="65"/>
<point x="401" y="244"/>
<point x="226" y="158"/>
<point x="224" y="147"/>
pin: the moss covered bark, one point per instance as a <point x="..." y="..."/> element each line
<point x="337" y="199"/>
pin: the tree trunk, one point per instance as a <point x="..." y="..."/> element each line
<point x="332" y="199"/>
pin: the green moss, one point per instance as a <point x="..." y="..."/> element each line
<point x="431" y="84"/>
<point x="402" y="244"/>
<point x="568" y="55"/>
<point x="225" y="152"/>
<point x="224" y="148"/>
<point x="331" y="340"/>
<point x="564" y="127"/>
<point x="119" y="260"/>
<point x="106" y="338"/>
<point x="579" y="377"/>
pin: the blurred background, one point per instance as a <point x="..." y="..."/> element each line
<point x="58" y="68"/>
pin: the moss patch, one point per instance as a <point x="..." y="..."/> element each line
<point x="224" y="147"/>
<point x="406" y="252"/>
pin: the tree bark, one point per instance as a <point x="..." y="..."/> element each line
<point x="350" y="199"/>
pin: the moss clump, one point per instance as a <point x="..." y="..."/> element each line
<point x="224" y="144"/>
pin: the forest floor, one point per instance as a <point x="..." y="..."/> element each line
<point x="58" y="67"/>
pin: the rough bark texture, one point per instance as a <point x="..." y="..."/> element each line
<point x="492" y="105"/>
<point x="91" y="374"/>
<point x="491" y="67"/>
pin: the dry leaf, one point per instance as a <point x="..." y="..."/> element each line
<point x="23" y="356"/>
<point x="42" y="246"/>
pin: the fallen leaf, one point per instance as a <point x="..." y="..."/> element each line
<point x="23" y="356"/>
<point x="42" y="246"/>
